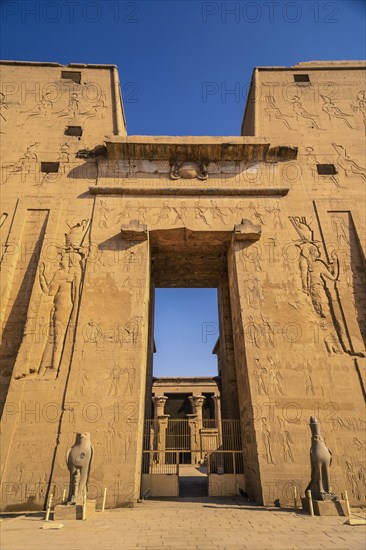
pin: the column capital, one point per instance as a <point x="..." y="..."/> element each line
<point x="197" y="403"/>
<point x="159" y="404"/>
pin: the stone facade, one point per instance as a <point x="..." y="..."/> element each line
<point x="92" y="220"/>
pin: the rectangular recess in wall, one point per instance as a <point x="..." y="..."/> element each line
<point x="326" y="169"/>
<point x="75" y="76"/>
<point x="75" y="131"/>
<point x="301" y="79"/>
<point x="50" y="167"/>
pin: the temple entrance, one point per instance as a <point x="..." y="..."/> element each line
<point x="192" y="458"/>
<point x="192" y="440"/>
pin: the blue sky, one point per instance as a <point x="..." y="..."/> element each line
<point x="169" y="53"/>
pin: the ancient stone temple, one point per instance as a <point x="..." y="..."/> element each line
<point x="93" y="220"/>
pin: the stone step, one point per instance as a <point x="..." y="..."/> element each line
<point x="193" y="486"/>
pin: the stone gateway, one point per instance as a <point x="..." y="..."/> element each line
<point x="93" y="220"/>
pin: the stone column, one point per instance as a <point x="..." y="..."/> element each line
<point x="159" y="404"/>
<point x="162" y="426"/>
<point x="197" y="403"/>
<point x="217" y="402"/>
<point x="195" y="441"/>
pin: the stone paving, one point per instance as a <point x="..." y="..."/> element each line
<point x="187" y="524"/>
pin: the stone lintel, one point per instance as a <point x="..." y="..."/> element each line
<point x="247" y="231"/>
<point x="197" y="148"/>
<point x="189" y="191"/>
<point x="134" y="231"/>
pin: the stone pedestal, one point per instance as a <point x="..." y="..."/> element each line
<point x="74" y="511"/>
<point x="325" y="507"/>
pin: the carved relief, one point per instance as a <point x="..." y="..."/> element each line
<point x="41" y="110"/>
<point x="188" y="170"/>
<point x="125" y="214"/>
<point x="114" y="377"/>
<point x="64" y="289"/>
<point x="353" y="480"/>
<point x="216" y="212"/>
<point x="64" y="158"/>
<point x="360" y="106"/>
<point x="4" y="106"/>
<point x="266" y="439"/>
<point x="261" y="374"/>
<point x="319" y="283"/>
<point x="333" y="111"/>
<point x="347" y="164"/>
<point x="275" y="210"/>
<point x="309" y="386"/>
<point x="255" y="297"/>
<point x="275" y="378"/>
<point x="286" y="441"/>
<point x="301" y="112"/>
<point x="71" y="110"/>
<point x="341" y="229"/>
<point x="95" y="110"/>
<point x="103" y="214"/>
<point x="181" y="212"/>
<point x="255" y="214"/>
<point x="27" y="164"/>
<point x="164" y="212"/>
<point x="141" y="214"/>
<point x="274" y="112"/>
<point x="199" y="213"/>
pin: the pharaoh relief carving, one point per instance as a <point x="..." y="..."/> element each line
<point x="181" y="213"/>
<point x="64" y="158"/>
<point x="267" y="441"/>
<point x="349" y="166"/>
<point x="273" y="111"/>
<point x="103" y="214"/>
<point x="333" y="111"/>
<point x="188" y="170"/>
<point x="319" y="282"/>
<point x="275" y="210"/>
<point x="98" y="108"/>
<point x="127" y="375"/>
<point x="26" y="165"/>
<point x="63" y="288"/>
<point x="301" y="113"/>
<point x="41" y="110"/>
<point x="285" y="441"/>
<point x="71" y="110"/>
<point x="359" y="106"/>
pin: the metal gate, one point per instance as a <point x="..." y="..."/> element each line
<point x="180" y="441"/>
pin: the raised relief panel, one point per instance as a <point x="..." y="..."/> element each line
<point x="348" y="165"/>
<point x="319" y="281"/>
<point x="24" y="257"/>
<point x="62" y="292"/>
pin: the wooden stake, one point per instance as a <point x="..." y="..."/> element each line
<point x="104" y="499"/>
<point x="49" y="507"/>
<point x="295" y="496"/>
<point x="84" y="506"/>
<point x="310" y="498"/>
<point x="347" y="504"/>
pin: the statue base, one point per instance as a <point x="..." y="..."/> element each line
<point x="74" y="511"/>
<point x="325" y="507"/>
